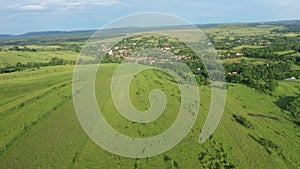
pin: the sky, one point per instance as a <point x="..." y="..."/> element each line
<point x="21" y="16"/>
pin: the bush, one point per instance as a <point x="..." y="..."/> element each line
<point x="167" y="158"/>
<point x="294" y="107"/>
<point x="22" y="105"/>
<point x="242" y="120"/>
<point x="175" y="164"/>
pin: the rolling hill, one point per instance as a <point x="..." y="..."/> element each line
<point x="39" y="127"/>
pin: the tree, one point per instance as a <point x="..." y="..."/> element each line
<point x="273" y="85"/>
<point x="167" y="158"/>
<point x="294" y="107"/>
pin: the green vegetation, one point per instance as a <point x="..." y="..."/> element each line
<point x="242" y="120"/>
<point x="294" y="107"/>
<point x="258" y="66"/>
<point x="11" y="58"/>
<point x="54" y="137"/>
<point x="33" y="65"/>
<point x="215" y="157"/>
<point x="270" y="146"/>
<point x="259" y="128"/>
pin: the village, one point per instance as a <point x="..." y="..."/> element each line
<point x="129" y="48"/>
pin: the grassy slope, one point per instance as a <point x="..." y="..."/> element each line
<point x="44" y="132"/>
<point x="240" y="30"/>
<point x="10" y="58"/>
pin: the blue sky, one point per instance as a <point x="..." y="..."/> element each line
<point x="20" y="16"/>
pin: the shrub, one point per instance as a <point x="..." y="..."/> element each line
<point x="167" y="158"/>
<point x="242" y="120"/>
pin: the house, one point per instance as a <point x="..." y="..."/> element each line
<point x="291" y="78"/>
<point x="265" y="43"/>
<point x="232" y="73"/>
<point x="111" y="53"/>
<point x="176" y="51"/>
<point x="239" y="54"/>
<point x="166" y="48"/>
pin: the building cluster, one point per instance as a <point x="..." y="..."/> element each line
<point x="125" y="52"/>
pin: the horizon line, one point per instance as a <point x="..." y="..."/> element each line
<point x="194" y="24"/>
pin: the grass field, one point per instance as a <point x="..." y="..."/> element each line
<point x="10" y="58"/>
<point x="285" y="52"/>
<point x="239" y="48"/>
<point x="39" y="127"/>
<point x="240" y="30"/>
<point x="256" y="61"/>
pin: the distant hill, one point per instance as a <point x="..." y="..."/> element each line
<point x="5" y="39"/>
<point x="2" y="36"/>
<point x="55" y="33"/>
<point x="48" y="34"/>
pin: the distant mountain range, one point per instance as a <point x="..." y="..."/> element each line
<point x="46" y="34"/>
<point x="88" y="33"/>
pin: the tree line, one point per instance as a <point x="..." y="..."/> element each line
<point x="261" y="77"/>
<point x="33" y="65"/>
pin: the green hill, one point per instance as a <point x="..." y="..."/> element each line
<point x="39" y="127"/>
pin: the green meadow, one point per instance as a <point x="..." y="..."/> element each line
<point x="39" y="127"/>
<point x="9" y="58"/>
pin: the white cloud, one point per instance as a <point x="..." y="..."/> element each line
<point x="77" y="3"/>
<point x="33" y="7"/>
<point x="73" y="4"/>
<point x="59" y="4"/>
